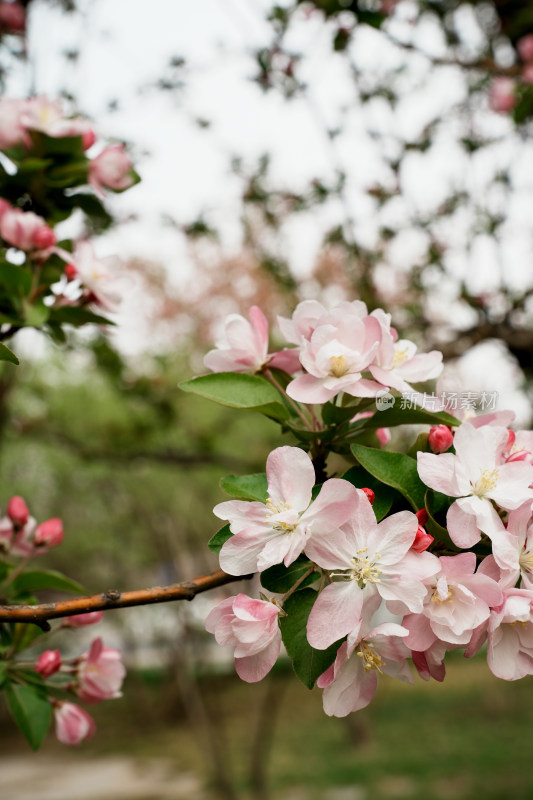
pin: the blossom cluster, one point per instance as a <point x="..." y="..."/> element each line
<point x="93" y="676"/>
<point x="385" y="591"/>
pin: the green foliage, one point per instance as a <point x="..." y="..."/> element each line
<point x="31" y="711"/>
<point x="281" y="579"/>
<point x="216" y="542"/>
<point x="394" y="469"/>
<point x="39" y="580"/>
<point x="392" y="417"/>
<point x="238" y="390"/>
<point x="385" y="497"/>
<point x="7" y="355"/>
<point x="308" y="663"/>
<point x="246" y="487"/>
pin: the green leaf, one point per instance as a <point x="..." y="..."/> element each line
<point x="31" y="711"/>
<point x="37" y="580"/>
<point x="29" y="165"/>
<point x="246" y="487"/>
<point x="394" y="469"/>
<point x="3" y="672"/>
<point x="7" y="355"/>
<point x="335" y="415"/>
<point x="35" y="314"/>
<point x="308" y="663"/>
<point x="215" y="542"/>
<point x="392" y="417"/>
<point x="77" y="316"/>
<point x="280" y="578"/>
<point x="385" y="495"/>
<point x="15" y="280"/>
<point x="437" y="505"/>
<point x="239" y="390"/>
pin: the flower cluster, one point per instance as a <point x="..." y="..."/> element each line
<point x="375" y="589"/>
<point x="94" y="676"/>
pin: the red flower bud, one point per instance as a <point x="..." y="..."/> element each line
<point x="48" y="663"/>
<point x="369" y="493"/>
<point x="49" y="533"/>
<point x="440" y="438"/>
<point x="79" y="620"/>
<point x="17" y="510"/>
<point x="422" y="516"/>
<point x="71" y="272"/>
<point x="88" y="139"/>
<point x="421" y="541"/>
<point x="44" y="237"/>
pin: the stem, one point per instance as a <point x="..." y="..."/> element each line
<point x="14" y="573"/>
<point x="282" y="391"/>
<point x="298" y="582"/>
<point x="112" y="598"/>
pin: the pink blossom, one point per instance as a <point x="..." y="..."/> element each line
<point x="440" y="438"/>
<point x="430" y="663"/>
<point x="502" y="96"/>
<point x="457" y="601"/>
<point x="368" y="559"/>
<point x="243" y="347"/>
<point x="518" y="564"/>
<point x="278" y="531"/>
<point x="80" y="620"/>
<point x="524" y="47"/>
<point x="25" y="230"/>
<point x="42" y="114"/>
<point x="304" y="321"/>
<point x="100" y="275"/>
<point x="112" y="169"/>
<point x="12" y="130"/>
<point x="6" y="533"/>
<point x="73" y="724"/>
<point x="251" y="627"/>
<point x="527" y="73"/>
<point x="335" y="357"/>
<point x="12" y="17"/>
<point x="49" y="533"/>
<point x="23" y="543"/>
<point x="396" y="363"/>
<point x="17" y="510"/>
<point x="477" y="476"/>
<point x="350" y="683"/>
<point x="48" y="663"/>
<point x="100" y="673"/>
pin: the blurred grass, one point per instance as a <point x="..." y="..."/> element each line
<point x="467" y="738"/>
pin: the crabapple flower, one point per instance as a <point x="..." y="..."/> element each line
<point x="23" y="543"/>
<point x="99" y="275"/>
<point x="12" y="131"/>
<point x="351" y="682"/>
<point x="48" y="663"/>
<point x="73" y="724"/>
<point x="335" y="357"/>
<point x="6" y="533"/>
<point x="458" y="601"/>
<point x="477" y="476"/>
<point x="46" y="116"/>
<point x="251" y="627"/>
<point x="243" y="346"/>
<point x="49" y="533"/>
<point x="112" y="169"/>
<point x="518" y="534"/>
<point x="100" y="673"/>
<point x="267" y="534"/>
<point x="369" y="559"/>
<point x="524" y="47"/>
<point x="303" y="321"/>
<point x="430" y="663"/>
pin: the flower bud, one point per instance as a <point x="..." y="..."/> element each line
<point x="73" y="724"/>
<point x="79" y="620"/>
<point x="369" y="493"/>
<point x="440" y="438"/>
<point x="71" y="272"/>
<point x="422" y="516"/>
<point x="49" y="533"/>
<point x="384" y="436"/>
<point x="48" y="663"/>
<point x="527" y="73"/>
<point x="17" y="510"/>
<point x="88" y="139"/>
<point x="524" y="47"/>
<point x="44" y="237"/>
<point x="12" y="17"/>
<point x="422" y="540"/>
<point x="502" y="97"/>
<point x="111" y="169"/>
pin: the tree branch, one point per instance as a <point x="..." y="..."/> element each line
<point x="112" y="598"/>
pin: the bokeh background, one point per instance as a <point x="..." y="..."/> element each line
<point x="330" y="150"/>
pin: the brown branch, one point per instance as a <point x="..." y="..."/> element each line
<point x="39" y="614"/>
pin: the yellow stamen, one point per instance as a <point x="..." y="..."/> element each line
<point x="339" y="367"/>
<point x="371" y="659"/>
<point x="284" y="527"/>
<point x="400" y="356"/>
<point x="488" y="481"/>
<point x="365" y="571"/>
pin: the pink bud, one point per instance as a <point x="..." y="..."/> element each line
<point x="18" y="511"/>
<point x="71" y="272"/>
<point x="525" y="47"/>
<point x="49" y="533"/>
<point x="73" y="724"/>
<point x="369" y="493"/>
<point x="502" y="97"/>
<point x="48" y="663"/>
<point x="13" y="17"/>
<point x="422" y="540"/>
<point x="384" y="436"/>
<point x="79" y="620"/>
<point x="88" y="139"/>
<point x="111" y="169"/>
<point x="527" y="73"/>
<point x="440" y="438"/>
<point x="44" y="237"/>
